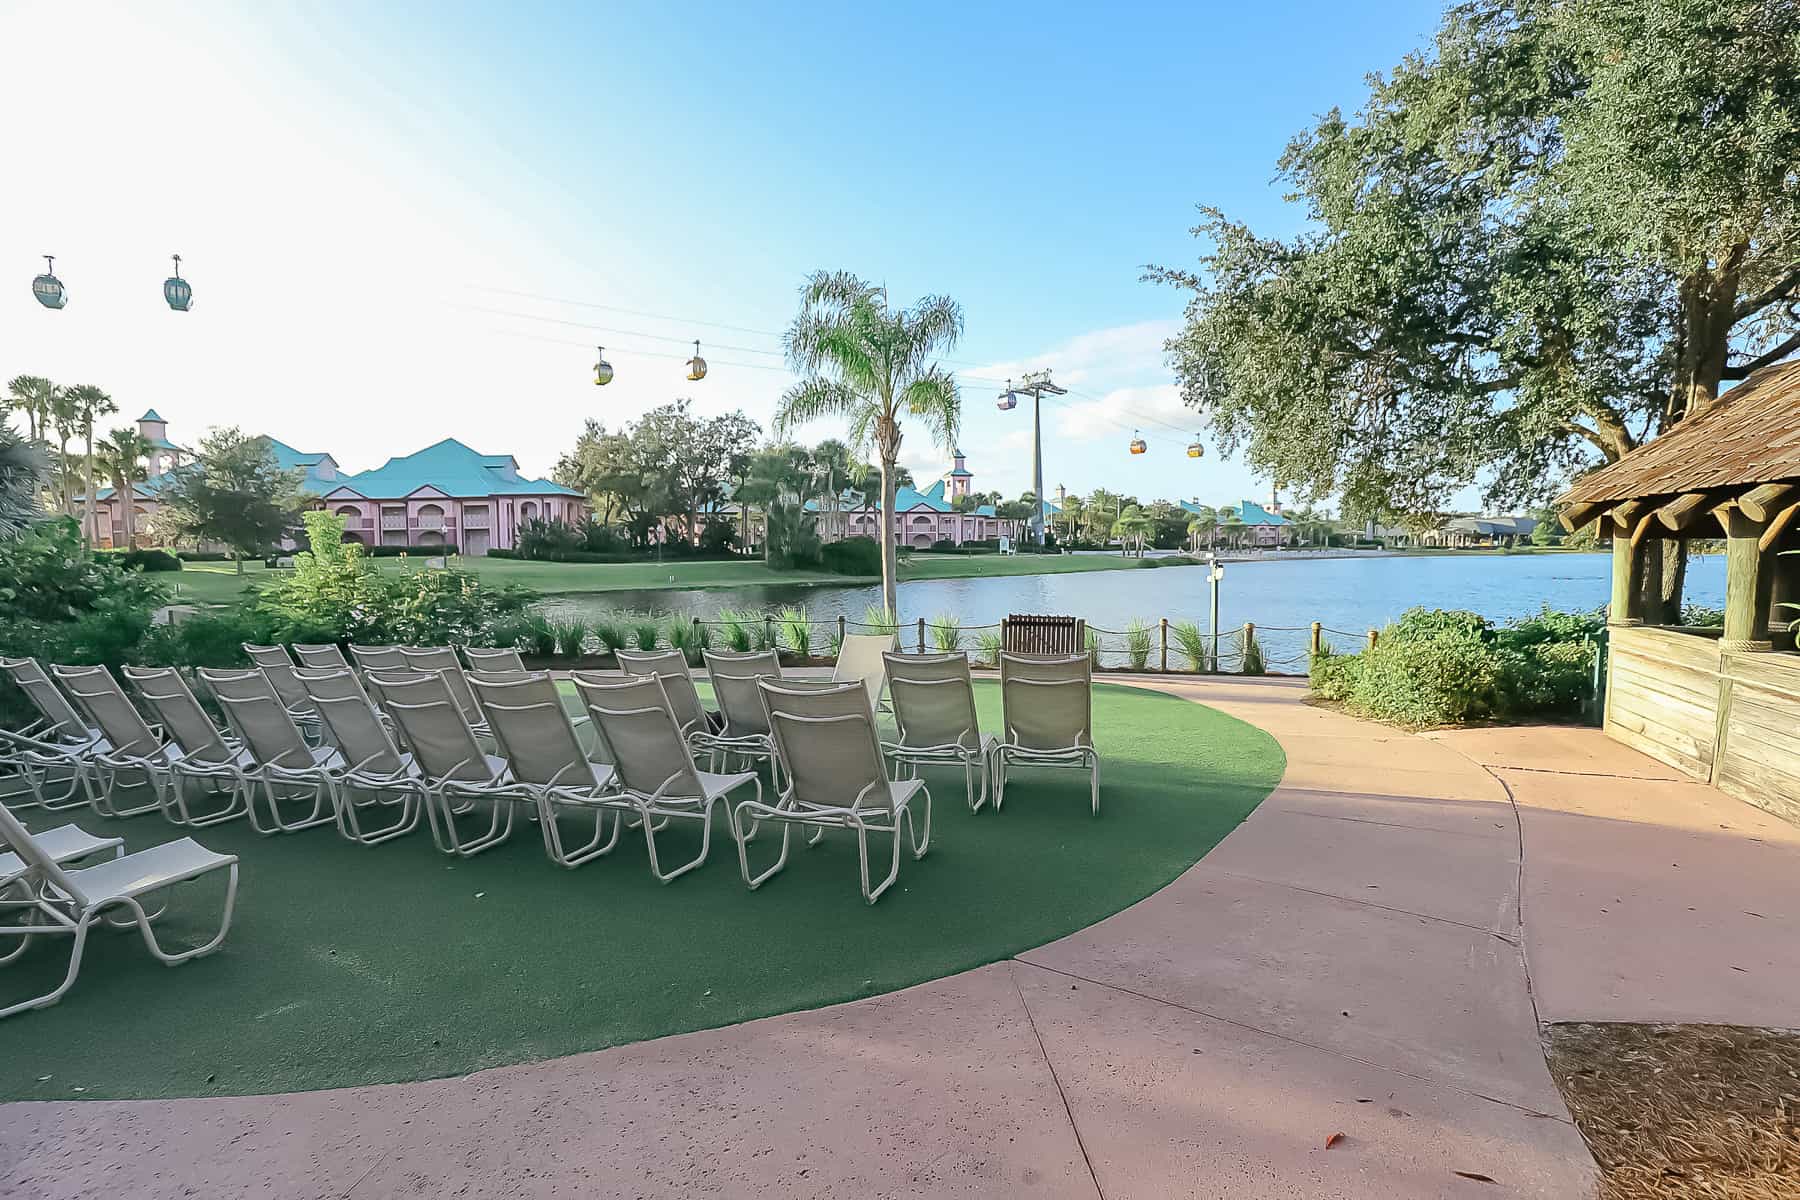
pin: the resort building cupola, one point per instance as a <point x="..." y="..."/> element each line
<point x="959" y="476"/>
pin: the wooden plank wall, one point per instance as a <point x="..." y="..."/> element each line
<point x="1729" y="719"/>
<point x="1662" y="695"/>
<point x="1758" y="758"/>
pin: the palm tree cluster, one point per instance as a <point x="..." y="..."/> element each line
<point x="31" y="466"/>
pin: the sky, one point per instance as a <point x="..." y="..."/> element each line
<point x="405" y="221"/>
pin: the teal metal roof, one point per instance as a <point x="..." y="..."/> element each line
<point x="451" y="468"/>
<point x="152" y="415"/>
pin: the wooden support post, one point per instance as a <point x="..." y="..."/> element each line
<point x="1374" y="636"/>
<point x="1316" y="646"/>
<point x="1165" y="643"/>
<point x="1249" y="636"/>
<point x="840" y="630"/>
<point x="921" y="635"/>
<point x="1621" y="611"/>
<point x="1746" y="584"/>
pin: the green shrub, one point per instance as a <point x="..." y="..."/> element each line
<point x="144" y="559"/>
<point x="1333" y="676"/>
<point x="851" y="556"/>
<point x="1137" y="644"/>
<point x="611" y="633"/>
<point x="1093" y="647"/>
<point x="47" y="574"/>
<point x="645" y="635"/>
<point x="538" y="636"/>
<point x="570" y="635"/>
<point x="689" y="637"/>
<point x="1193" y="644"/>
<point x="946" y="633"/>
<point x="988" y="648"/>
<point x="796" y="630"/>
<point x="877" y="619"/>
<point x="206" y="640"/>
<point x="734" y="630"/>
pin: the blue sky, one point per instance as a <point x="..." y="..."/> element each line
<point x="382" y="208"/>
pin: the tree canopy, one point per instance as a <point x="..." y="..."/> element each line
<point x="1539" y="243"/>
<point x="233" y="493"/>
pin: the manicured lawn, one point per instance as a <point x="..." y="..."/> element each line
<point x="355" y="965"/>
<point x="216" y="583"/>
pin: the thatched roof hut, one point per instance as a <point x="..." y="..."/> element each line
<point x="1725" y="709"/>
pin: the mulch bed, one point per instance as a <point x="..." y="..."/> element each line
<point x="1684" y="1112"/>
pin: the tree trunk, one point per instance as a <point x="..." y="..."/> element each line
<point x="887" y="441"/>
<point x="93" y="508"/>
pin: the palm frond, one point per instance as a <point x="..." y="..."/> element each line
<point x="935" y="399"/>
<point x="813" y="398"/>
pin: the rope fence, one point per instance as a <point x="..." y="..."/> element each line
<point x="1162" y="645"/>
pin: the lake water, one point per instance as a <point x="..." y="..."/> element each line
<point x="1283" y="596"/>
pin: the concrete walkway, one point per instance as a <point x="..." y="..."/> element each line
<point x="1353" y="959"/>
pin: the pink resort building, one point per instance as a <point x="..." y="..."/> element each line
<point x="446" y="495"/>
<point x="922" y="518"/>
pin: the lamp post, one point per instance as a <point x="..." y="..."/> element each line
<point x="1037" y="385"/>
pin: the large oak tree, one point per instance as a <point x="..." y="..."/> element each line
<point x="1540" y="243"/>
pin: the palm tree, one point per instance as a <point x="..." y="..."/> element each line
<point x="1204" y="525"/>
<point x="23" y="474"/>
<point x="34" y="396"/>
<point x="1132" y="528"/>
<point x="64" y="417"/>
<point x="119" y="456"/>
<point x="90" y="403"/>
<point x="872" y="366"/>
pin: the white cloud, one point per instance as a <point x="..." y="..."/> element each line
<point x="1149" y="410"/>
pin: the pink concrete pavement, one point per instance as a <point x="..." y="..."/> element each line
<point x="1350" y="959"/>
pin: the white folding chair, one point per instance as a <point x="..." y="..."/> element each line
<point x="534" y="734"/>
<point x="372" y="773"/>
<point x="934" y="711"/>
<point x="862" y="658"/>
<point x="656" y="773"/>
<point x="198" y="752"/>
<point x="134" y="754"/>
<point x="282" y="765"/>
<point x="274" y="662"/>
<point x="488" y="659"/>
<point x="52" y="755"/>
<point x="678" y="683"/>
<point x="459" y="775"/>
<point x="1047" y="701"/>
<point x="744" y="724"/>
<point x="325" y="657"/>
<point x="836" y="778"/>
<point x="66" y="845"/>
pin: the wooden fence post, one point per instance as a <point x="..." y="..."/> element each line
<point x="1165" y="643"/>
<point x="840" y="630"/>
<point x="1374" y="636"/>
<point x="1317" y="645"/>
<point x="921" y="635"/>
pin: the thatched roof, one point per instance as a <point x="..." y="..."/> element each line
<point x="1752" y="436"/>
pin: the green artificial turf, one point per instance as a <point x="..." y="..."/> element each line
<point x="354" y="965"/>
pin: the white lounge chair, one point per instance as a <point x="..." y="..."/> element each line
<point x="656" y="773"/>
<point x="369" y="766"/>
<point x="744" y="723"/>
<point x="274" y="662"/>
<point x="836" y="778"/>
<point x="861" y="659"/>
<point x="52" y="754"/>
<point x="377" y="658"/>
<point x="67" y="901"/>
<point x="538" y="740"/>
<point x="282" y="765"/>
<point x="134" y="755"/>
<point x="197" y="751"/>
<point x="488" y="659"/>
<point x="671" y="667"/>
<point x="66" y="845"/>
<point x="443" y="660"/>
<point x="934" y="710"/>
<point x="1048" y="706"/>
<point x="459" y="775"/>
<point x="323" y="657"/>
